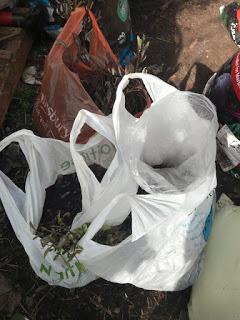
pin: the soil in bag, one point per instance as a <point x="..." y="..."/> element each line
<point x="63" y="201"/>
<point x="113" y="235"/>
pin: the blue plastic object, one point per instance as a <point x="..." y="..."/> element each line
<point x="127" y="54"/>
<point x="35" y="3"/>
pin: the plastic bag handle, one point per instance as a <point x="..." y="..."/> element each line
<point x="152" y="84"/>
<point x="65" y="38"/>
<point x="100" y="219"/>
<point x="103" y="126"/>
<point x="27" y="147"/>
<point x="156" y="88"/>
<point x="16" y="137"/>
<point x="147" y="212"/>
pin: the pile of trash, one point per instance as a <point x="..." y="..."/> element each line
<point x="122" y="195"/>
<point x="122" y="183"/>
<point x="116" y="220"/>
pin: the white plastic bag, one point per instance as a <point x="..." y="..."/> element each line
<point x="170" y="225"/>
<point x="164" y="258"/>
<point x="118" y="179"/>
<point x="46" y="158"/>
<point x="177" y="133"/>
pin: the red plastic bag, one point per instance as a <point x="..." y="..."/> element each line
<point x="62" y="94"/>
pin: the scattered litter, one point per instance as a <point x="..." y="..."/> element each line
<point x="30" y="76"/>
<point x="228" y="155"/>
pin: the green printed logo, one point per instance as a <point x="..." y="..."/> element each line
<point x="69" y="271"/>
<point x="123" y="10"/>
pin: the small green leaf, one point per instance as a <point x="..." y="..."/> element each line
<point x="105" y="227"/>
<point x="49" y="249"/>
<point x="81" y="267"/>
<point x="56" y="256"/>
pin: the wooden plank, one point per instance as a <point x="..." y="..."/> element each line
<point x="13" y="56"/>
<point x="5" y="55"/>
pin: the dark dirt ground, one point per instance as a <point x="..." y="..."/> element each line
<point x="189" y="43"/>
<point x="187" y="39"/>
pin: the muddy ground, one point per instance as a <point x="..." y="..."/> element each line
<point x="188" y="43"/>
